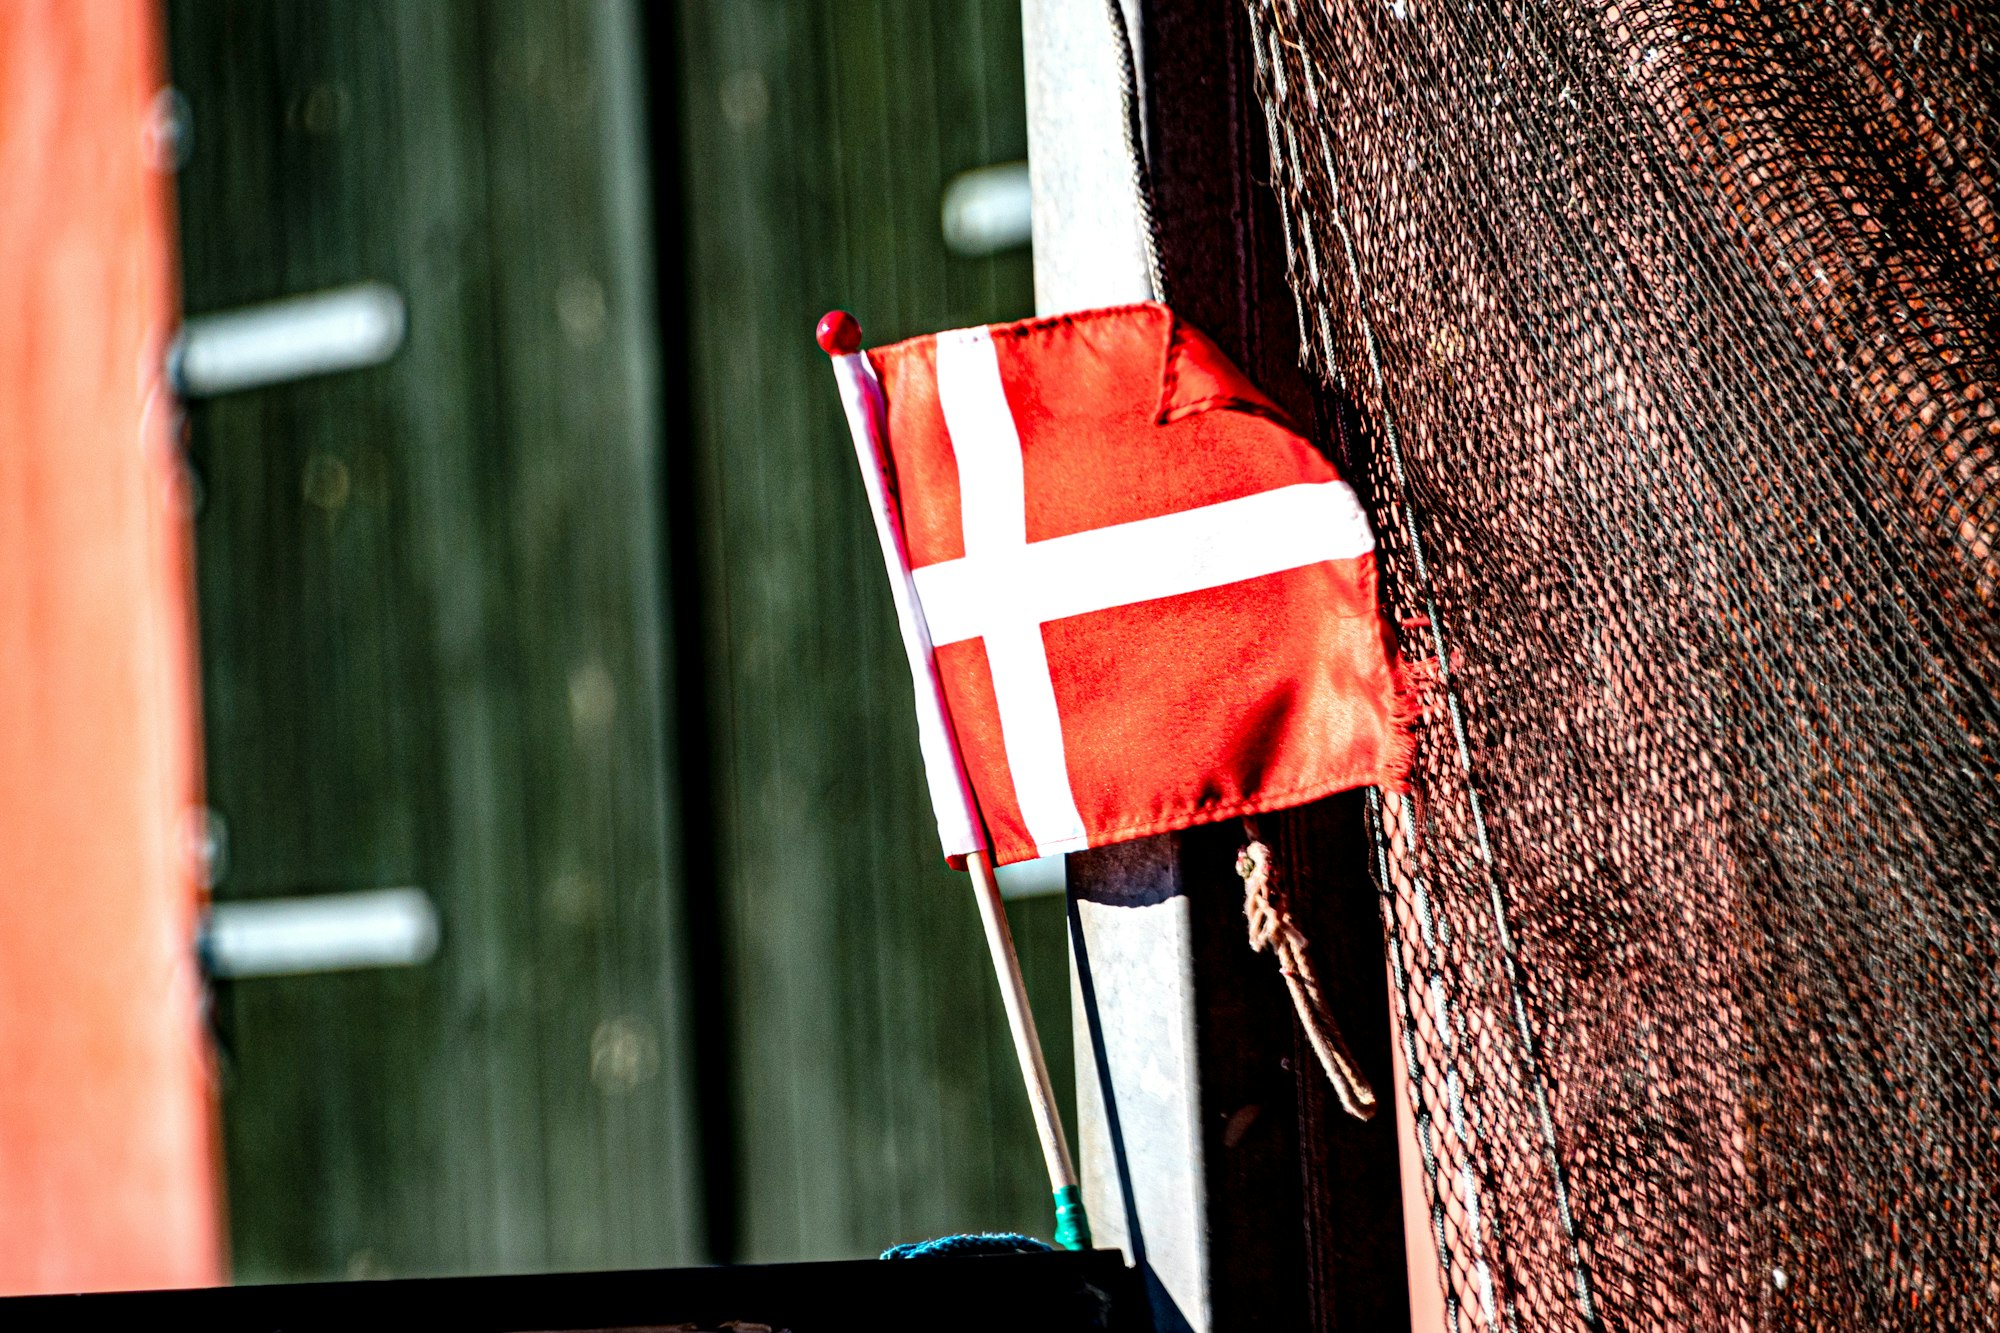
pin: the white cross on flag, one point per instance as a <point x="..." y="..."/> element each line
<point x="1134" y="597"/>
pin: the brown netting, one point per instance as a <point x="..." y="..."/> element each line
<point x="1671" y="330"/>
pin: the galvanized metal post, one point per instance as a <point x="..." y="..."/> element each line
<point x="1134" y="996"/>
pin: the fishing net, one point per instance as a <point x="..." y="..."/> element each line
<point x="1670" y="330"/>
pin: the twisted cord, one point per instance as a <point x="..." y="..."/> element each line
<point x="1271" y="927"/>
<point x="1135" y="147"/>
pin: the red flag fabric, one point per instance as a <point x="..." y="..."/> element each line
<point x="1138" y="598"/>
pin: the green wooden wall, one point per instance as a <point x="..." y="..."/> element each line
<point x="873" y="1093"/>
<point x="432" y="636"/>
<point x="582" y="632"/>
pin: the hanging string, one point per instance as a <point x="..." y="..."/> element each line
<point x="1135" y="147"/>
<point x="1271" y="926"/>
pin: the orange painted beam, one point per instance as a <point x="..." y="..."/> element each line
<point x="107" y="1118"/>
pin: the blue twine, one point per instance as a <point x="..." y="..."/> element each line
<point x="983" y="1242"/>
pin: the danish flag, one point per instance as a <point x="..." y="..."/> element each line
<point x="1133" y="596"/>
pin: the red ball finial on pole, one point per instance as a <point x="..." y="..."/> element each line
<point x="838" y="333"/>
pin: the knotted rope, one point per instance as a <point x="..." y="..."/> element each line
<point x="1272" y="927"/>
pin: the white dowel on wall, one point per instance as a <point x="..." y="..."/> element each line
<point x="347" y="328"/>
<point x="329" y="932"/>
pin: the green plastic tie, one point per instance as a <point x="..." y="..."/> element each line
<point x="1072" y="1226"/>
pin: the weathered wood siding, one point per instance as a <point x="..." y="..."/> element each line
<point x="589" y="639"/>
<point x="432" y="636"/>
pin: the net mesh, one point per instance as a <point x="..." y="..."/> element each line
<point x="1671" y="331"/>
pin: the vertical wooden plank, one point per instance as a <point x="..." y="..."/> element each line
<point x="577" y="373"/>
<point x="1341" y="1264"/>
<point x="432" y="637"/>
<point x="876" y="1098"/>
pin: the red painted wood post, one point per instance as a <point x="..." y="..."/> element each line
<point x="107" y="1122"/>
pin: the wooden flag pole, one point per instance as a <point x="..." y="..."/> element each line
<point x="959" y="825"/>
<point x="1072" y="1227"/>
